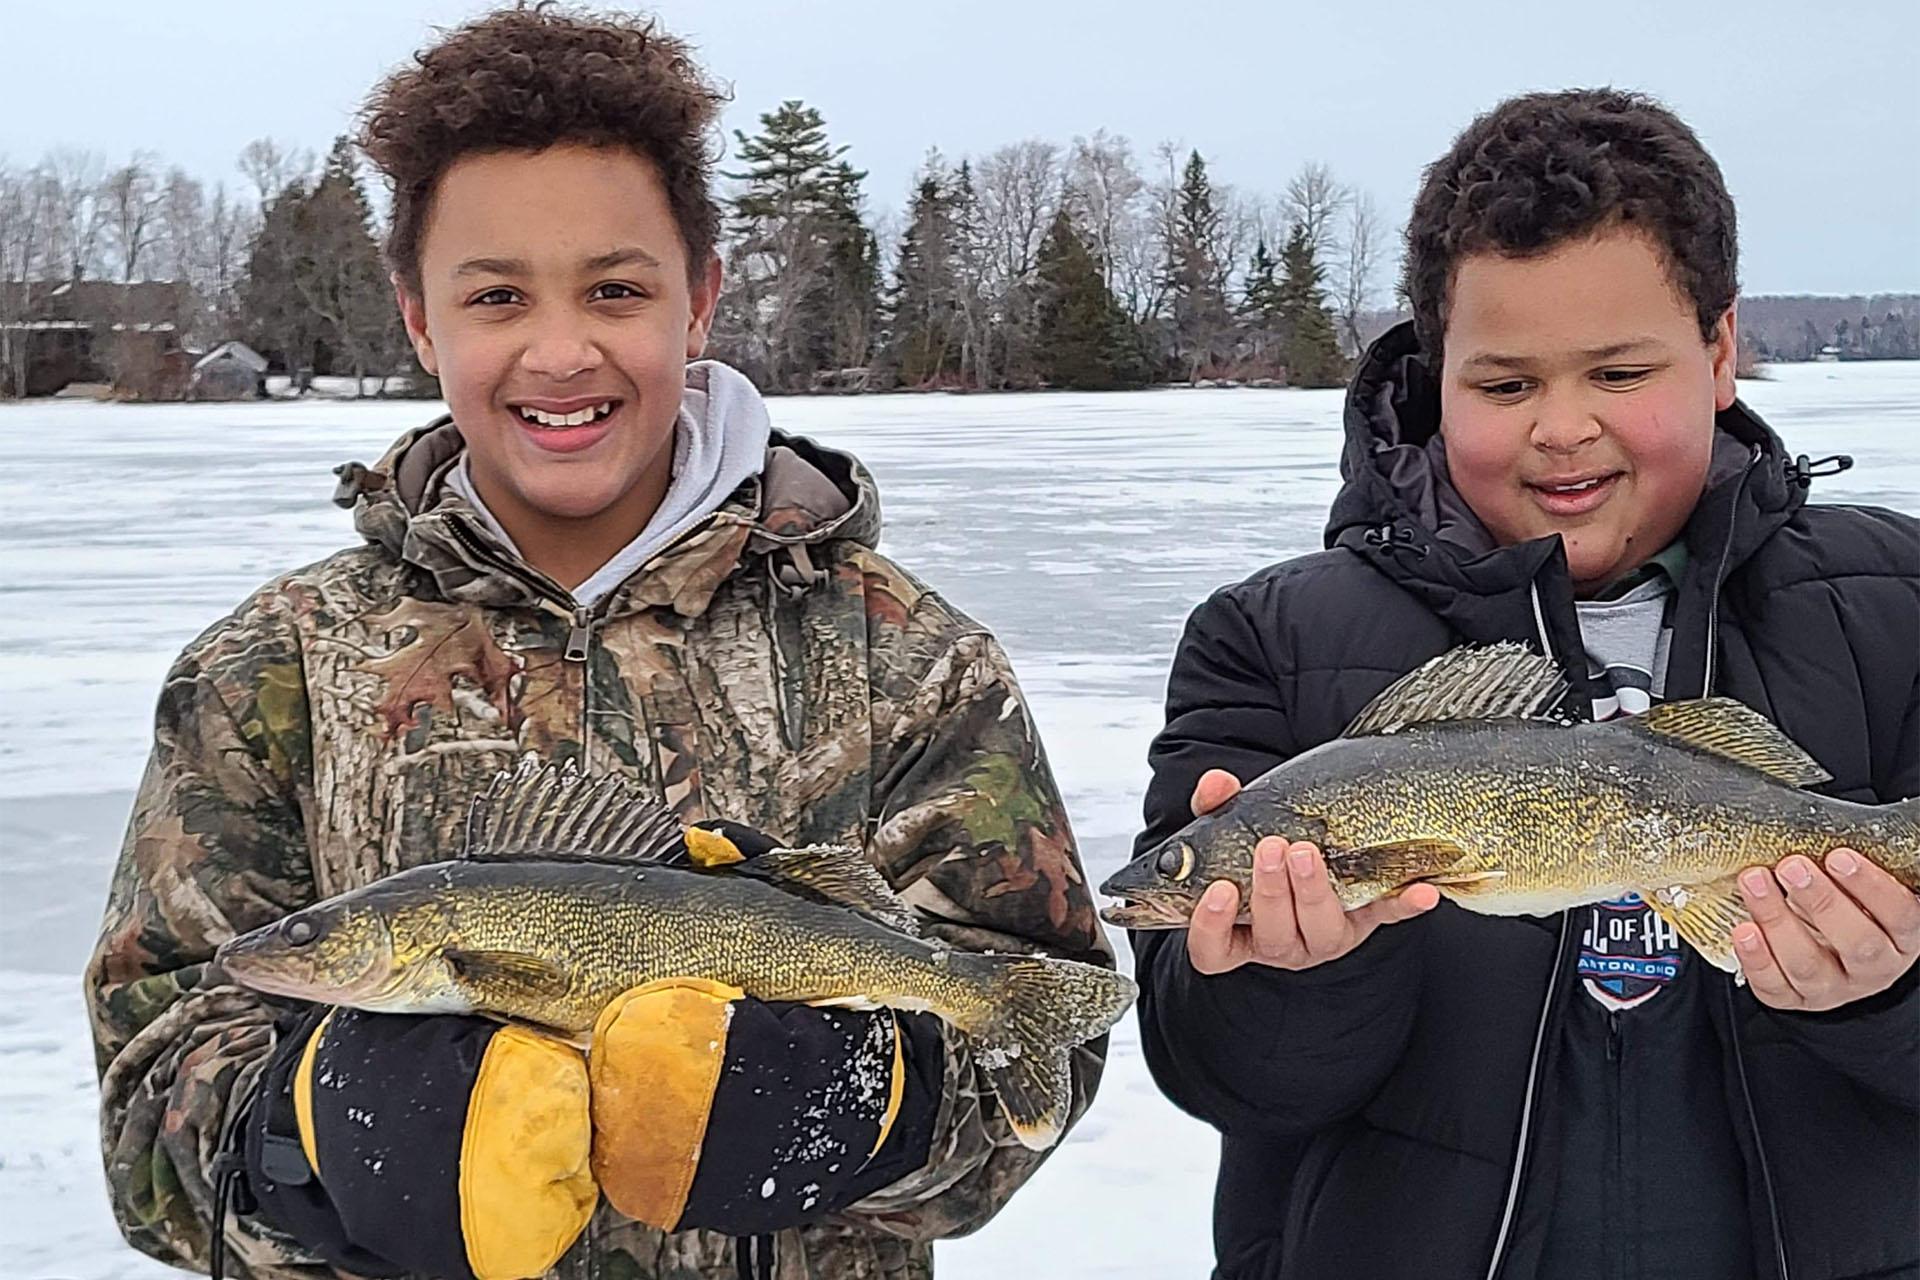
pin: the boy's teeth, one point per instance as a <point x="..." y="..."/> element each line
<point x="579" y="418"/>
<point x="1574" y="488"/>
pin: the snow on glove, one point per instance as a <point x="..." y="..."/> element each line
<point x="446" y="1145"/>
<point x="712" y="1109"/>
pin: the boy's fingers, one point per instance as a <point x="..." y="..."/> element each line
<point x="1763" y="974"/>
<point x="1324" y="927"/>
<point x="1211" y="935"/>
<point x="1809" y="967"/>
<point x="1852" y="936"/>
<point x="1276" y="933"/>
<point x="1215" y="788"/>
<point x="1892" y="906"/>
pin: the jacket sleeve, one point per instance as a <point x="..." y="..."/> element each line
<point x="968" y="824"/>
<point x="1875" y="1043"/>
<point x="215" y="846"/>
<point x="1256" y="1048"/>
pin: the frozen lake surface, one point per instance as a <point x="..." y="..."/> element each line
<point x="1081" y="528"/>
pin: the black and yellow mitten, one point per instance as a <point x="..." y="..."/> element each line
<point x="444" y="1145"/>
<point x="712" y="1109"/>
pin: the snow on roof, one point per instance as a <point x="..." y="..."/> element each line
<point x="236" y="351"/>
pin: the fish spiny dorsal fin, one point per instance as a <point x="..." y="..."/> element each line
<point x="1498" y="682"/>
<point x="833" y="873"/>
<point x="538" y="809"/>
<point x="1723" y="727"/>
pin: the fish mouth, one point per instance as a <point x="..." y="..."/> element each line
<point x="1144" y="909"/>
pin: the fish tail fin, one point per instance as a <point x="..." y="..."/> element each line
<point x="1037" y="1010"/>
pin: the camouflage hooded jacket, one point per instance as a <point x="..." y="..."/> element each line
<point x="769" y="667"/>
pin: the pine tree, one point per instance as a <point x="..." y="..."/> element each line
<point x="925" y="302"/>
<point x="316" y="292"/>
<point x="1201" y="321"/>
<point x="803" y="267"/>
<point x="1260" y="302"/>
<point x="1312" y="344"/>
<point x="1085" y="341"/>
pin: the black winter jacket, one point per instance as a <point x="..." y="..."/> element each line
<point x="1390" y="1114"/>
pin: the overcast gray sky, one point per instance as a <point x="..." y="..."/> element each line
<point x="1810" y="108"/>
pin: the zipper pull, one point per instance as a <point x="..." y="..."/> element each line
<point x="579" y="637"/>
<point x="1613" y="1036"/>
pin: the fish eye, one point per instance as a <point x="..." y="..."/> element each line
<point x="300" y="932"/>
<point x="1176" y="861"/>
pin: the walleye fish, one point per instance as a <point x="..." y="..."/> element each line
<point x="1460" y="775"/>
<point x="572" y="889"/>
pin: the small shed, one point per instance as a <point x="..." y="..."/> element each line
<point x="231" y="371"/>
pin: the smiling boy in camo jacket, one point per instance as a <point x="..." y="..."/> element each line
<point x="604" y="556"/>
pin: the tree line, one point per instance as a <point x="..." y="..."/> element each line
<point x="1035" y="265"/>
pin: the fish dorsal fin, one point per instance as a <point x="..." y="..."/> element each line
<point x="836" y="874"/>
<point x="542" y="810"/>
<point x="1724" y="727"/>
<point x="1495" y="682"/>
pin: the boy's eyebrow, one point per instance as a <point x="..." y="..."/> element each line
<point x="1495" y="360"/>
<point x="626" y="255"/>
<point x="491" y="267"/>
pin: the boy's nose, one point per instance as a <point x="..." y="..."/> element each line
<point x="1565" y="427"/>
<point x="561" y="356"/>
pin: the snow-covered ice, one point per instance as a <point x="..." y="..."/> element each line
<point x="1081" y="528"/>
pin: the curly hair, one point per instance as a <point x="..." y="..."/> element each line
<point x="1542" y="169"/>
<point x="533" y="77"/>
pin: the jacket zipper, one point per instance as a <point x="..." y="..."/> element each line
<point x="1759" y="1146"/>
<point x="1526" y="1107"/>
<point x="581" y="621"/>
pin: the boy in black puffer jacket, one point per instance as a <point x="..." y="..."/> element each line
<point x="1552" y="452"/>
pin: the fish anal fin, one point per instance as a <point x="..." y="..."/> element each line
<point x="511" y="969"/>
<point x="837" y="874"/>
<point x="1705" y="915"/>
<point x="1490" y="682"/>
<point x="1735" y="731"/>
<point x="1035" y="1088"/>
<point x="543" y="810"/>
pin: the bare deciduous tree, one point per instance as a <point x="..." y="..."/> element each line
<point x="1359" y="262"/>
<point x="1314" y="199"/>
<point x="133" y="201"/>
<point x="70" y="185"/>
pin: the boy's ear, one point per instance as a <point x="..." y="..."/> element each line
<point x="1726" y="357"/>
<point x="704" y="300"/>
<point x="413" y="312"/>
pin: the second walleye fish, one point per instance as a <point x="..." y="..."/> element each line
<point x="1457" y="775"/>
<point x="567" y="896"/>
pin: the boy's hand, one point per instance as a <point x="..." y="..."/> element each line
<point x="1297" y="922"/>
<point x="1821" y="939"/>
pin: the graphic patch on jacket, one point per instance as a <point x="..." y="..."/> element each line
<point x="1628" y="954"/>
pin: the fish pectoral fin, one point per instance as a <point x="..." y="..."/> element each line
<point x="837" y="874"/>
<point x="1035" y="1088"/>
<point x="1454" y="879"/>
<point x="1705" y="915"/>
<point x="865" y="1004"/>
<point x="1734" y="731"/>
<point x="507" y="968"/>
<point x="1404" y="861"/>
